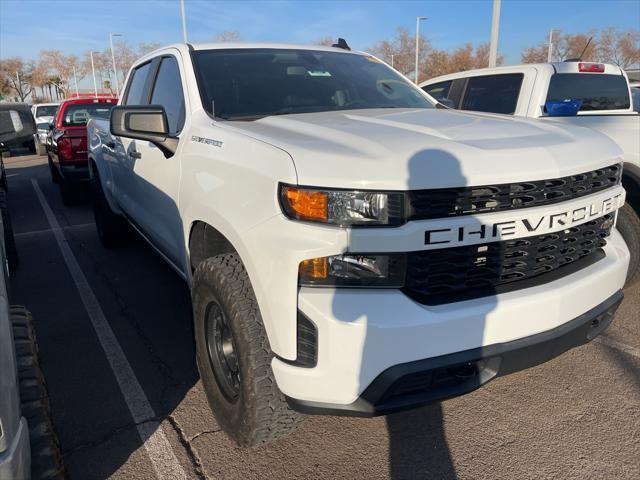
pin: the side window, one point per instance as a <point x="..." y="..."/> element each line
<point x="439" y="90"/>
<point x="136" y="94"/>
<point x="167" y="92"/>
<point x="493" y="93"/>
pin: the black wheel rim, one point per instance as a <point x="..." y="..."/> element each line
<point x="222" y="350"/>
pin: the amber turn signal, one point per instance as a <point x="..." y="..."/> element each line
<point x="307" y="204"/>
<point x="314" y="268"/>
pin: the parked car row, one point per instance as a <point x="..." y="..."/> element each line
<point x="593" y="95"/>
<point x="28" y="444"/>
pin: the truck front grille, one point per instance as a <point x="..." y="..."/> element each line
<point x="451" y="202"/>
<point x="453" y="274"/>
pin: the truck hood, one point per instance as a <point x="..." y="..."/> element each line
<point x="404" y="149"/>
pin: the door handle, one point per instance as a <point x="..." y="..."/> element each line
<point x="135" y="154"/>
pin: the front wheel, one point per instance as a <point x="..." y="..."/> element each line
<point x="629" y="227"/>
<point x="234" y="356"/>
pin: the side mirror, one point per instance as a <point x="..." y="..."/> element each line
<point x="148" y="123"/>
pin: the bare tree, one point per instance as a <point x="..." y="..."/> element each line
<point x="144" y="48"/>
<point x="227" y="36"/>
<point x="326" y="41"/>
<point x="39" y="78"/>
<point x="403" y="48"/>
<point x="59" y="67"/>
<point x="463" y="58"/>
<point x="16" y="77"/>
<point x="125" y="55"/>
<point x="609" y="46"/>
<point x="619" y="47"/>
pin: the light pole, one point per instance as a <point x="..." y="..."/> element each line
<point x="418" y="44"/>
<point x="495" y="26"/>
<point x="113" y="59"/>
<point x="75" y="78"/>
<point x="93" y="72"/>
<point x="550" y="50"/>
<point x="184" y="21"/>
<point x="392" y="61"/>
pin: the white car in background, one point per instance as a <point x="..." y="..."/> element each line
<point x="594" y="95"/>
<point x="43" y="114"/>
<point x="635" y="95"/>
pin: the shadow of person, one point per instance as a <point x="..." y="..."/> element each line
<point x="418" y="446"/>
<point x="437" y="277"/>
<point x="413" y="336"/>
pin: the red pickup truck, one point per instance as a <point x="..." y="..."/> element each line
<point x="67" y="142"/>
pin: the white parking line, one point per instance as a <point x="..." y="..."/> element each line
<point x="48" y="230"/>
<point x="623" y="347"/>
<point x="155" y="442"/>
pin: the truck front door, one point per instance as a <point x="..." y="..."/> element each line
<point x="150" y="182"/>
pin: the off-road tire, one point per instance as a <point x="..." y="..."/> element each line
<point x="9" y="240"/>
<point x="113" y="229"/>
<point x="629" y="227"/>
<point x="260" y="413"/>
<point x="46" y="459"/>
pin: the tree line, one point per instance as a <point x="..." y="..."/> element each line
<point x="51" y="76"/>
<point x="610" y="45"/>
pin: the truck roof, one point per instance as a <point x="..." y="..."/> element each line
<point x="241" y="45"/>
<point x="553" y="67"/>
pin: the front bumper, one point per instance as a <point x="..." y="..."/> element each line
<point x="418" y="383"/>
<point x="362" y="333"/>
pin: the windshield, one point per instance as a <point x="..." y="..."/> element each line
<point x="246" y="84"/>
<point x="76" y="115"/>
<point x="597" y="91"/>
<point x="46" y="111"/>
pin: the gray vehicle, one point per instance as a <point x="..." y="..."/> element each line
<point x="28" y="445"/>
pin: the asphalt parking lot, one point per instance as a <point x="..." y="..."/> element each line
<point x="576" y="417"/>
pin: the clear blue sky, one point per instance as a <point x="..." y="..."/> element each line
<point x="74" y="26"/>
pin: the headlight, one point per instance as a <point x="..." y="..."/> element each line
<point x="342" y="207"/>
<point x="354" y="271"/>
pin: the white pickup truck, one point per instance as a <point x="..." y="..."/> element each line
<point x="594" y="95"/>
<point x="351" y="249"/>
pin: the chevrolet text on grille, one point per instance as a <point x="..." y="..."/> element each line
<point x="524" y="225"/>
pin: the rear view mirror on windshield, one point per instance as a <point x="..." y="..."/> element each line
<point x="564" y="108"/>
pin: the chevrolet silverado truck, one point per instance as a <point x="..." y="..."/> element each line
<point x="593" y="95"/>
<point x="352" y="249"/>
